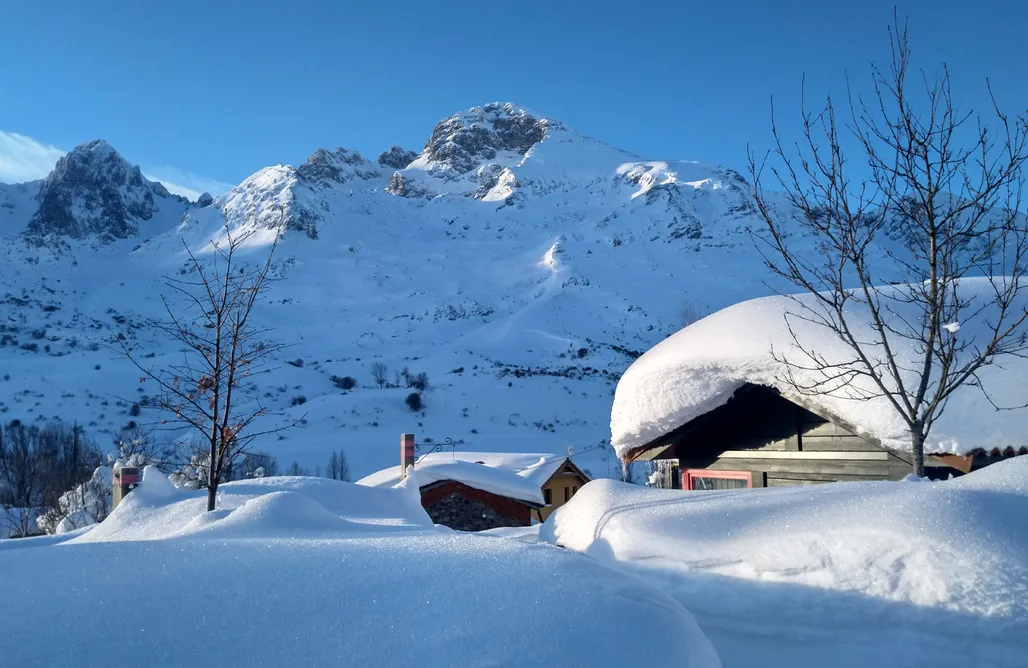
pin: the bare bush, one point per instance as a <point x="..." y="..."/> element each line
<point x="380" y="374"/>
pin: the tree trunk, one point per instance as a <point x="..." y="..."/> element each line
<point x="213" y="476"/>
<point x="917" y="449"/>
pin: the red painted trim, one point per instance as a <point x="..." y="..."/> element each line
<point x="689" y="474"/>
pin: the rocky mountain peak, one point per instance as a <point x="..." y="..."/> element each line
<point x="339" y="166"/>
<point x="94" y="192"/>
<point x="397" y="157"/>
<point x="467" y="139"/>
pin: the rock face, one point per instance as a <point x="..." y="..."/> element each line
<point x="299" y="199"/>
<point x="397" y="157"/>
<point x="336" y="167"/>
<point x="465" y="140"/>
<point x="94" y="192"/>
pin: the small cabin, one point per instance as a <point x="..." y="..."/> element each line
<point x="755" y="395"/>
<point x="474" y="491"/>
<point x="465" y="507"/>
<point x="758" y="438"/>
<point x="559" y="479"/>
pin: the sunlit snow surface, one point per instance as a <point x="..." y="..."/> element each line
<point x="844" y="574"/>
<point x="293" y="571"/>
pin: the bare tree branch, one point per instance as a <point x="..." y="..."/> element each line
<point x="211" y="390"/>
<point x="942" y="195"/>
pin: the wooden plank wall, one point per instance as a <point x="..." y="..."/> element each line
<point x="783" y="444"/>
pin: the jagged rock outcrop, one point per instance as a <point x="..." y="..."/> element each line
<point x="94" y="192"/>
<point x="405" y="186"/>
<point x="464" y="140"/>
<point x="338" y="166"/>
<point x="397" y="157"/>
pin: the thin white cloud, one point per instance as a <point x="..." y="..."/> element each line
<point x="25" y="159"/>
<point x="186" y="183"/>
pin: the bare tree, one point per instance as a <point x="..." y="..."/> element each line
<point x="380" y="374"/>
<point x="344" y="467"/>
<point x="946" y="189"/>
<point x="212" y="389"/>
<point x="38" y="467"/>
<point x="338" y="468"/>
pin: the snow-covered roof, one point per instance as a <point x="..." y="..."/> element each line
<point x="699" y="368"/>
<point x="543" y="470"/>
<point x="498" y="480"/>
<point x="517" y="461"/>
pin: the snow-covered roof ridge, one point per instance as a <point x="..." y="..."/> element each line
<point x="502" y="473"/>
<point x="493" y="479"/>
<point x="698" y="369"/>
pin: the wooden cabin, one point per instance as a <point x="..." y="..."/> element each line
<point x="559" y="479"/>
<point x="758" y="438"/>
<point x="463" y="507"/>
<point x="472" y="491"/>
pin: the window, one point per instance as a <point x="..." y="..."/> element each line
<point x="574" y="489"/>
<point x="548" y="496"/>
<point x="567" y="494"/>
<point x="702" y="479"/>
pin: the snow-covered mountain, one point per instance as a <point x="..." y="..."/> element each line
<point x="519" y="263"/>
<point x="95" y="193"/>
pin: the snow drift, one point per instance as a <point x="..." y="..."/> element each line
<point x="315" y="572"/>
<point x="843" y="574"/>
<point x="960" y="544"/>
<point x="697" y="369"/>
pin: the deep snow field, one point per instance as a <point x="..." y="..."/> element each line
<point x="846" y="574"/>
<point x="307" y="571"/>
<point x="315" y="572"/>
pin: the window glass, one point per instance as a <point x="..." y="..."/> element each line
<point x="699" y="482"/>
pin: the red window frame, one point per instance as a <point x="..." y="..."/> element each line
<point x="689" y="474"/>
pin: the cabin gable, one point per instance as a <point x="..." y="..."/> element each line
<point x="761" y="439"/>
<point x="558" y="489"/>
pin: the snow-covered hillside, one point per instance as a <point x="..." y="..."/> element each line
<point x="521" y="265"/>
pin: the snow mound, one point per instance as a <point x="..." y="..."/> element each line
<point x="959" y="545"/>
<point x="697" y="369"/>
<point x="315" y="572"/>
<point x="267" y="507"/>
<point x="282" y="512"/>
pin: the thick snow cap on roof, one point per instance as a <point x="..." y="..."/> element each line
<point x="698" y="369"/>
<point x="493" y="479"/>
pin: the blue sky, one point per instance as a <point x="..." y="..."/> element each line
<point x="201" y="94"/>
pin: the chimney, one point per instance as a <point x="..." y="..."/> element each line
<point x="406" y="454"/>
<point x="125" y="479"/>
